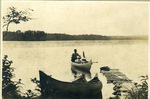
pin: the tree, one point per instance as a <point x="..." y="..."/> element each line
<point x="15" y="16"/>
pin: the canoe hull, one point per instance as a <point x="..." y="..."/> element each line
<point x="85" y="66"/>
<point x="50" y="86"/>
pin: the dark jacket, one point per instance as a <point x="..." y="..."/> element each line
<point x="74" y="57"/>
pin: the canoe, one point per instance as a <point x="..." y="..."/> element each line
<point x="84" y="65"/>
<point x="80" y="87"/>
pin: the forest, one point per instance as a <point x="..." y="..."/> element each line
<point x="42" y="36"/>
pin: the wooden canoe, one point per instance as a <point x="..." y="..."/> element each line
<point x="79" y="87"/>
<point x="84" y="65"/>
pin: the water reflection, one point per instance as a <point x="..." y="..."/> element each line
<point x="77" y="72"/>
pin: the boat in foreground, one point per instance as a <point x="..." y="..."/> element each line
<point x="79" y="87"/>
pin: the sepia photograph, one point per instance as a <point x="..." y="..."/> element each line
<point x="74" y="50"/>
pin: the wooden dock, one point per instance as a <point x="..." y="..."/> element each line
<point x="114" y="76"/>
<point x="121" y="82"/>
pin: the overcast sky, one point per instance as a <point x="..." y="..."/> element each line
<point x="84" y="17"/>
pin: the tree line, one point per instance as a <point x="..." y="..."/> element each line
<point x="42" y="36"/>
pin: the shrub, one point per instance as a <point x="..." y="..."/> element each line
<point x="10" y="89"/>
<point x="139" y="91"/>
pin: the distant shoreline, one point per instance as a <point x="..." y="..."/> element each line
<point x="42" y="36"/>
<point x="79" y="40"/>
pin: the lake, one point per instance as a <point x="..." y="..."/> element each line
<point x="53" y="57"/>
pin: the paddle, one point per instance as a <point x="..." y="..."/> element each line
<point x="83" y="54"/>
<point x="94" y="62"/>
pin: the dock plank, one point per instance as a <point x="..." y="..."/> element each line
<point x="114" y="75"/>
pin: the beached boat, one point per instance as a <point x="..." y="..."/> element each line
<point x="79" y="87"/>
<point x="83" y="65"/>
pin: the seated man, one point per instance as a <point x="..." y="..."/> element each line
<point x="74" y="55"/>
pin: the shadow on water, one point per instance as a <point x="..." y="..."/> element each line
<point x="77" y="72"/>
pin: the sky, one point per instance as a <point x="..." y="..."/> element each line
<point x="83" y="17"/>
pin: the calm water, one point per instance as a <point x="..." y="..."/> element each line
<point x="53" y="57"/>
